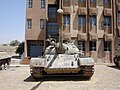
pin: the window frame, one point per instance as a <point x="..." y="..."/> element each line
<point x="42" y="4"/>
<point x="30" y="4"/>
<point x="81" y="45"/>
<point x="81" y="20"/>
<point x="92" y="45"/>
<point x="107" y="21"/>
<point x="66" y="20"/>
<point x="42" y="23"/>
<point x="107" y="45"/>
<point x="93" y="20"/>
<point x="29" y="23"/>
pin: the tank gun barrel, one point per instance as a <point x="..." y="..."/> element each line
<point x="60" y="13"/>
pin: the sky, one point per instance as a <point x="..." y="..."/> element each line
<point x="12" y="20"/>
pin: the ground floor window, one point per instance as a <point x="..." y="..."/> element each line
<point x="107" y="45"/>
<point x="92" y="46"/>
<point x="81" y="45"/>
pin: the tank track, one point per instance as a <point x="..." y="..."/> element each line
<point x="87" y="71"/>
<point x="36" y="72"/>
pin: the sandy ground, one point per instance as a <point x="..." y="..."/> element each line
<point x="18" y="78"/>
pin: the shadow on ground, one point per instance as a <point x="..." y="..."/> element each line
<point x="114" y="67"/>
<point x="54" y="78"/>
<point x="57" y="78"/>
<point x="16" y="57"/>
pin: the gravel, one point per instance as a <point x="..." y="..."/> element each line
<point x="106" y="77"/>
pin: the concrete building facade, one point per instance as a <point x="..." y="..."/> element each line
<point x="93" y="26"/>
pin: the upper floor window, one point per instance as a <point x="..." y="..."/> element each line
<point x="106" y="1"/>
<point x="119" y="16"/>
<point x="92" y="46"/>
<point x="82" y="0"/>
<point x="42" y="3"/>
<point x="107" y="21"/>
<point x="81" y="20"/>
<point x="30" y="3"/>
<point x="42" y="24"/>
<point x="107" y="46"/>
<point x="93" y="0"/>
<point x="66" y="2"/>
<point x="66" y="20"/>
<point x="52" y="12"/>
<point x="92" y="20"/>
<point x="29" y="23"/>
<point x="81" y="45"/>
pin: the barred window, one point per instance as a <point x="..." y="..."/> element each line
<point x="52" y="12"/>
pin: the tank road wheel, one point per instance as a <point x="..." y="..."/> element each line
<point x="119" y="63"/>
<point x="116" y="61"/>
<point x="88" y="72"/>
<point x="36" y="73"/>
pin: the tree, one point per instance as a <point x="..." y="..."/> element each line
<point x="20" y="48"/>
<point x="14" y="43"/>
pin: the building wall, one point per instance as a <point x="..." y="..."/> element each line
<point x="75" y="33"/>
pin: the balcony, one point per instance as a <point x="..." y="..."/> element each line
<point x="82" y="36"/>
<point x="107" y="12"/>
<point x="66" y="36"/>
<point x="93" y="36"/>
<point x="93" y="11"/>
<point x="118" y="6"/>
<point x="100" y="33"/>
<point x="52" y="2"/>
<point x="82" y="10"/>
<point x="108" y="37"/>
<point x="66" y="10"/>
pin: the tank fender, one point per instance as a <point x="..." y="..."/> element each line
<point x="37" y="62"/>
<point x="86" y="61"/>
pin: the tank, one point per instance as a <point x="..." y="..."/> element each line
<point x="62" y="59"/>
<point x="117" y="56"/>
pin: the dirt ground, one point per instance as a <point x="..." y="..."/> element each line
<point x="106" y="77"/>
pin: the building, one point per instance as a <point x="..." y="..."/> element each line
<point x="93" y="25"/>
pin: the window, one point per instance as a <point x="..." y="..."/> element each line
<point x="92" y="20"/>
<point x="29" y="23"/>
<point x="81" y="20"/>
<point x="106" y="1"/>
<point x="92" y="46"/>
<point x="52" y="12"/>
<point x="82" y="0"/>
<point x="42" y="3"/>
<point x="107" y="21"/>
<point x="119" y="16"/>
<point x="93" y="0"/>
<point x="53" y="30"/>
<point x="30" y="3"/>
<point x="81" y="45"/>
<point x="42" y="23"/>
<point x="66" y="20"/>
<point x="107" y="45"/>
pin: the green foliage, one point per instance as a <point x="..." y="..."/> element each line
<point x="20" y="48"/>
<point x="14" y="43"/>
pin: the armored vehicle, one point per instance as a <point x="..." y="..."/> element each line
<point x="117" y="56"/>
<point x="64" y="59"/>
